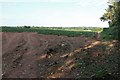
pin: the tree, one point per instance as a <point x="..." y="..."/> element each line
<point x="112" y="15"/>
<point x="26" y="26"/>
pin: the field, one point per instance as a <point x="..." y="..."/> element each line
<point x="58" y="53"/>
<point x="55" y="31"/>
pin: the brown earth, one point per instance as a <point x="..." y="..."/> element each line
<point x="32" y="55"/>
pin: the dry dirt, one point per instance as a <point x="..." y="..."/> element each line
<point x="32" y="55"/>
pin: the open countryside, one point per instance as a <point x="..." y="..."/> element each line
<point x="63" y="52"/>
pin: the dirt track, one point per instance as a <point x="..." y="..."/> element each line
<point x="32" y="55"/>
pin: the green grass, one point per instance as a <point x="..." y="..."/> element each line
<point x="52" y="31"/>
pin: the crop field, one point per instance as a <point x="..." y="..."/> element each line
<point x="75" y="31"/>
<point x="49" y="52"/>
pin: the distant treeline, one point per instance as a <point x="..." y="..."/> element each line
<point x="63" y="28"/>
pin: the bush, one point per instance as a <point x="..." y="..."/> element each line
<point x="26" y="26"/>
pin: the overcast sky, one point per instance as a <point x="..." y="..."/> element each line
<point x="69" y="13"/>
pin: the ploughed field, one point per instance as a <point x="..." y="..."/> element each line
<point x="33" y="55"/>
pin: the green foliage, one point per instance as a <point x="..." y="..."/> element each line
<point x="0" y="29"/>
<point x="53" y="31"/>
<point x="26" y="26"/>
<point x="107" y="34"/>
<point x="112" y="15"/>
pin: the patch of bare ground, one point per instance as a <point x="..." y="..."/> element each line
<point x="32" y="55"/>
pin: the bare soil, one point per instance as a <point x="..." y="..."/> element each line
<point x="32" y="55"/>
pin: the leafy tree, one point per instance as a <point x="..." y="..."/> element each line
<point x="112" y="15"/>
